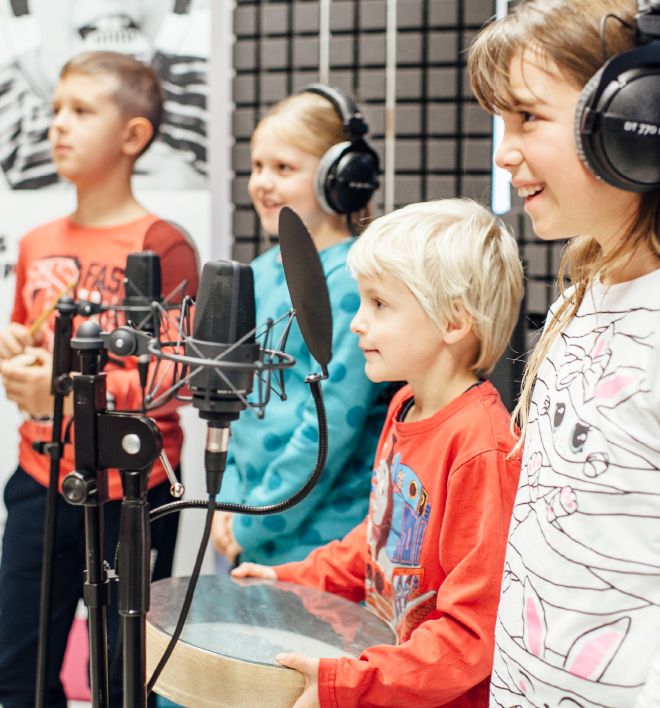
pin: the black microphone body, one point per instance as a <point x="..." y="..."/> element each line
<point x="142" y="285"/>
<point x="224" y="315"/>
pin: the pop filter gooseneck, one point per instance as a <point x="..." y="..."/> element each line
<point x="305" y="280"/>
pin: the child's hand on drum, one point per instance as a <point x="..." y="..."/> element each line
<point x="309" y="668"/>
<point x="223" y="535"/>
<point x="254" y="570"/>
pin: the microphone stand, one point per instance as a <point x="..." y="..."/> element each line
<point x="131" y="443"/>
<point x="60" y="387"/>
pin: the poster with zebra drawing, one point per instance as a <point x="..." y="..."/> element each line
<point x="37" y="37"/>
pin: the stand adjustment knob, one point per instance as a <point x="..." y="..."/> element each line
<point x="79" y="487"/>
<point x="54" y="449"/>
<point x="64" y="384"/>
<point x="122" y="342"/>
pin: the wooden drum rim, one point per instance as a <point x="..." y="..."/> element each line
<point x="197" y="678"/>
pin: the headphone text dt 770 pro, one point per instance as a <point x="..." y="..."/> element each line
<point x="617" y="121"/>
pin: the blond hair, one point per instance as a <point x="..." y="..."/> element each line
<point x="449" y="251"/>
<point x="565" y="33"/>
<point x="311" y="123"/>
<point x="139" y="94"/>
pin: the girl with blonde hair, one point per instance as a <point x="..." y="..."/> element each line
<point x="270" y="459"/>
<point x="579" y="615"/>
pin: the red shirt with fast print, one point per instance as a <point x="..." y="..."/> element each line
<point x="52" y="256"/>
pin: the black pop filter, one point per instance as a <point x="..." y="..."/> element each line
<point x="305" y="280"/>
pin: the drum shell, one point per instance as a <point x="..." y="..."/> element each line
<point x="196" y="678"/>
<point x="235" y="628"/>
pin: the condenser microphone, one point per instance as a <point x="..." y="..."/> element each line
<point x="223" y="329"/>
<point x="141" y="287"/>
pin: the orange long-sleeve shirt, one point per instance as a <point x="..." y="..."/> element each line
<point x="428" y="559"/>
<point x="59" y="252"/>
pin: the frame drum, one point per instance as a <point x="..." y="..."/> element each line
<point x="226" y="654"/>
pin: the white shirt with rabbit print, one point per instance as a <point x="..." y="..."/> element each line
<point x="579" y="616"/>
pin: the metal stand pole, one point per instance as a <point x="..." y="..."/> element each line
<point x="61" y="385"/>
<point x="133" y="444"/>
<point x="133" y="570"/>
<point x="88" y="486"/>
<point x="130" y="443"/>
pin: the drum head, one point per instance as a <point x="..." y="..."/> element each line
<point x="226" y="654"/>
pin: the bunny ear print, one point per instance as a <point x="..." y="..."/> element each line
<point x="534" y="625"/>
<point x="612" y="390"/>
<point x="591" y="653"/>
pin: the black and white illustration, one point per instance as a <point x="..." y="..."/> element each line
<point x="37" y="37"/>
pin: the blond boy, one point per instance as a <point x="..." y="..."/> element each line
<point x="440" y="286"/>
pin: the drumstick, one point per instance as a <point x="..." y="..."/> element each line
<point x="51" y="307"/>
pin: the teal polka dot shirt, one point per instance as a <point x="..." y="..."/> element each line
<point x="271" y="459"/>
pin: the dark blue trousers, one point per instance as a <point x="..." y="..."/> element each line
<point x="20" y="584"/>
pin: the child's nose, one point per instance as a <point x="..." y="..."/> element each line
<point x="59" y="120"/>
<point x="263" y="179"/>
<point x="357" y="323"/>
<point x="508" y="155"/>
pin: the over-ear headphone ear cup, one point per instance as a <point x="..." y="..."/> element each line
<point x="326" y="164"/>
<point x="615" y="118"/>
<point x="584" y="102"/>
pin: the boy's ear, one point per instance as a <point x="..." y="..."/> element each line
<point x="459" y="326"/>
<point x="137" y="133"/>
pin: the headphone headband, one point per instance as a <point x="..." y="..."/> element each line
<point x="353" y="121"/>
<point x="347" y="174"/>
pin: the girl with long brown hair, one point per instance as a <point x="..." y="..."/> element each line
<point x="579" y="615"/>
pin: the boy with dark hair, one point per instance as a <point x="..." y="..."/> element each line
<point x="440" y="286"/>
<point x="107" y="108"/>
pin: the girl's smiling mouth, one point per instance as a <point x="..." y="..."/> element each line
<point x="531" y="190"/>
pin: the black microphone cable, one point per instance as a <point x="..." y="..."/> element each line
<point x="314" y="382"/>
<point x="308" y="289"/>
<point x="212" y="506"/>
<point x="192" y="584"/>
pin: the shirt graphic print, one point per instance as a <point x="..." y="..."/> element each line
<point x="579" y="617"/>
<point x="398" y="520"/>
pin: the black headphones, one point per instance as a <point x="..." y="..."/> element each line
<point x="347" y="175"/>
<point x="617" y="120"/>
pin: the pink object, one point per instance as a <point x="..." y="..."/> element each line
<point x="591" y="655"/>
<point x="610" y="388"/>
<point x="534" y="628"/>
<point x="74" y="674"/>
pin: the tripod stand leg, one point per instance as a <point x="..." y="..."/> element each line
<point x="60" y="387"/>
<point x="97" y="597"/>
<point x="133" y="570"/>
<point x="50" y="528"/>
<point x="135" y="665"/>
